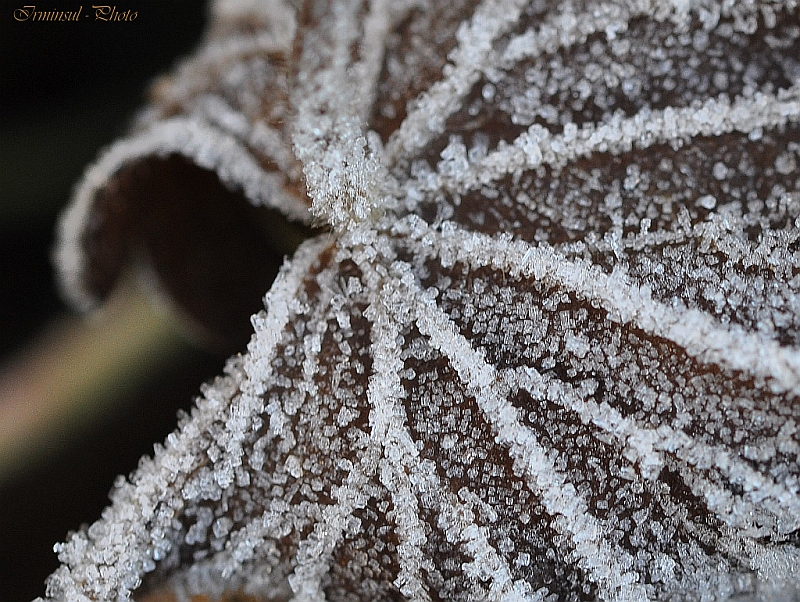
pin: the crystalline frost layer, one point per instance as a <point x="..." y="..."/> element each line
<point x="548" y="348"/>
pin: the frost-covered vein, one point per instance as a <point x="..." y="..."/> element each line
<point x="605" y="565"/>
<point x="457" y="521"/>
<point x="715" y="228"/>
<point x="125" y="541"/>
<point x="315" y="552"/>
<point x="470" y="57"/>
<point x="646" y="447"/>
<point x="365" y="73"/>
<point x="408" y="476"/>
<point x="259" y="136"/>
<point x="342" y="167"/>
<point x="251" y="560"/>
<point x="405" y="475"/>
<point x="312" y="341"/>
<point x="538" y="146"/>
<point x="566" y="28"/>
<point x="326" y="62"/>
<point x="281" y="306"/>
<point x="399" y="452"/>
<point x="256" y="540"/>
<point x="700" y="335"/>
<point x="400" y="455"/>
<point x="280" y="309"/>
<point x="219" y="54"/>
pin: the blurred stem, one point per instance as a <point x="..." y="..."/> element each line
<point x="76" y="371"/>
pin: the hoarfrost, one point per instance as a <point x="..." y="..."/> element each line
<point x="549" y="348"/>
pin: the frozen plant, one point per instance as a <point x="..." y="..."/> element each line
<point x="547" y="346"/>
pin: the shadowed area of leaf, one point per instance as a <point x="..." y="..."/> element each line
<point x="212" y="252"/>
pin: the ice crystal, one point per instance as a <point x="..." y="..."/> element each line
<point x="548" y="345"/>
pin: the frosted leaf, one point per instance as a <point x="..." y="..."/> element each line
<point x="548" y="347"/>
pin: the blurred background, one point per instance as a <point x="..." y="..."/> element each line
<point x="80" y="400"/>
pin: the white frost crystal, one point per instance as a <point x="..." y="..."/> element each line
<point x="548" y="347"/>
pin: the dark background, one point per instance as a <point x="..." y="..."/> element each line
<point x="66" y="90"/>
